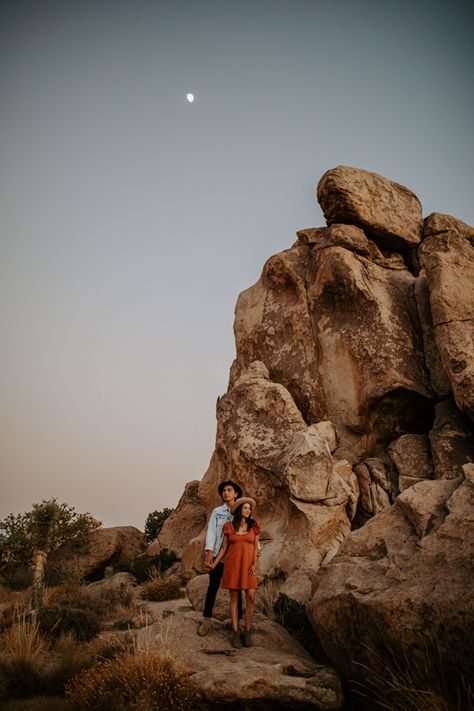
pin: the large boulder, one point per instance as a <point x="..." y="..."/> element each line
<point x="388" y="211"/>
<point x="275" y="673"/>
<point x="108" y="547"/>
<point x="447" y="256"/>
<point x="403" y="579"/>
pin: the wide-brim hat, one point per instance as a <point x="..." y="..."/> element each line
<point x="241" y="501"/>
<point x="231" y="483"/>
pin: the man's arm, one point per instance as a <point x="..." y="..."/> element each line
<point x="210" y="539"/>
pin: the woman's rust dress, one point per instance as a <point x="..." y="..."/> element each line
<point x="239" y="558"/>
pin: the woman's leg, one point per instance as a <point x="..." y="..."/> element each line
<point x="249" y="608"/>
<point x="234" y="602"/>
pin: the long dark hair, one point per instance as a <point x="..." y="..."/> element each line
<point x="237" y="520"/>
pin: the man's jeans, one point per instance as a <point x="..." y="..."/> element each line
<point x="215" y="577"/>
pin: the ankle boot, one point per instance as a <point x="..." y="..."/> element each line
<point x="236" y="643"/>
<point x="248" y="638"/>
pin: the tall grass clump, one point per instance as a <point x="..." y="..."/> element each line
<point x="159" y="588"/>
<point x="23" y="649"/>
<point x="143" y="681"/>
<point x="423" y="681"/>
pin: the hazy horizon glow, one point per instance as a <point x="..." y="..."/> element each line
<point x="130" y="220"/>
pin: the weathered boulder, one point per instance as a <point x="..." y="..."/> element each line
<point x="451" y="441"/>
<point x="412" y="457"/>
<point x="348" y="236"/>
<point x="275" y="671"/>
<point x="108" y="547"/>
<point x="184" y="523"/>
<point x="272" y="325"/>
<point x="196" y="590"/>
<point x="386" y="210"/>
<point x="402" y="579"/>
<point x="447" y="256"/>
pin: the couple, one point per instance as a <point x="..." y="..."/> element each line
<point x="233" y="533"/>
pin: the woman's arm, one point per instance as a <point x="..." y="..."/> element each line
<point x="222" y="552"/>
<point x="254" y="567"/>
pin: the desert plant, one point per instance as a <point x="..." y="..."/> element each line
<point x="144" y="681"/>
<point x="268" y="594"/>
<point x="45" y="534"/>
<point x="142" y="565"/>
<point x="56" y="620"/>
<point x="159" y="588"/>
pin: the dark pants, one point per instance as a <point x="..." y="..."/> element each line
<point x="215" y="577"/>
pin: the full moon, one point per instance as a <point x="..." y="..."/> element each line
<point x="190" y="98"/>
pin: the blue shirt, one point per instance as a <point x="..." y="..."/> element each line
<point x="214" y="536"/>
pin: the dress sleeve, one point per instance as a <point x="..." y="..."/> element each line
<point x="226" y="529"/>
<point x="256" y="527"/>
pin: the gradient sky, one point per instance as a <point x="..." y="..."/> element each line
<point x="130" y="220"/>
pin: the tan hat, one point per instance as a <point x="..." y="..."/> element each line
<point x="242" y="500"/>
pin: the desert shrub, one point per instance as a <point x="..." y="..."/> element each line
<point x="67" y="659"/>
<point x="141" y="567"/>
<point x="100" y="600"/>
<point x="154" y="523"/>
<point x="56" y="620"/>
<point x="159" y="588"/>
<point x="143" y="681"/>
<point x="16" y="576"/>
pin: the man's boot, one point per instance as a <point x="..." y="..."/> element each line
<point x="205" y="627"/>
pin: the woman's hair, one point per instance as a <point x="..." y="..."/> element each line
<point x="237" y="520"/>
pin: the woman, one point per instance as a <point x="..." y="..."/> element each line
<point x="240" y="548"/>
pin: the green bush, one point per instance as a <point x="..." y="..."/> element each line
<point x="56" y="620"/>
<point x="16" y="577"/>
<point x="159" y="588"/>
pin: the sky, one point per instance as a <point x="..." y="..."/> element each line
<point x="130" y="220"/>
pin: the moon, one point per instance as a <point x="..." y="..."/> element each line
<point x="190" y="98"/>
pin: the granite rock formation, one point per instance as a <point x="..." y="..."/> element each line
<point x="349" y="417"/>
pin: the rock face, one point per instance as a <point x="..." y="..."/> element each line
<point x="447" y="255"/>
<point x="405" y="577"/>
<point x="349" y="418"/>
<point x="276" y="670"/>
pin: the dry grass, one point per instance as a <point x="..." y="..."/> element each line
<point x="159" y="588"/>
<point x="23" y="641"/>
<point x="267" y="596"/>
<point x="143" y="680"/>
<point x="425" y="683"/>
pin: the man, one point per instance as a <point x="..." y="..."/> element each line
<point x="229" y="491"/>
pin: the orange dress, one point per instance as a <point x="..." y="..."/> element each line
<point x="239" y="558"/>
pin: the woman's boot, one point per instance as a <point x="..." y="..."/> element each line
<point x="248" y="638"/>
<point x="236" y="642"/>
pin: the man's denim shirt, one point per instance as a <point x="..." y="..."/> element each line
<point x="215" y="535"/>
